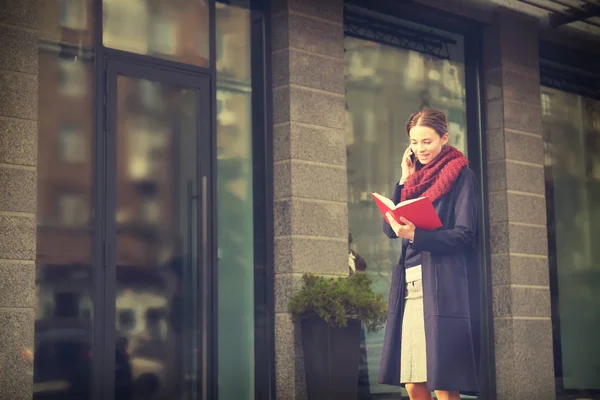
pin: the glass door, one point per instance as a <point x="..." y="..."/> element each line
<point x="158" y="164"/>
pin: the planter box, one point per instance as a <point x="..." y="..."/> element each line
<point x="331" y="359"/>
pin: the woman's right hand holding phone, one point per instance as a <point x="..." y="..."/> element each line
<point x="408" y="166"/>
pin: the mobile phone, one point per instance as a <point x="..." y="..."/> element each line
<point x="412" y="157"/>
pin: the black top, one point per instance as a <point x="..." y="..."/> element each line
<point x="413" y="257"/>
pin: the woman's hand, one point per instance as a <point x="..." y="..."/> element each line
<point x="408" y="167"/>
<point x="406" y="231"/>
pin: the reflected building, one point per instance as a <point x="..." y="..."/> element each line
<point x="153" y="122"/>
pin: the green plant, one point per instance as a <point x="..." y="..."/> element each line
<point x="336" y="299"/>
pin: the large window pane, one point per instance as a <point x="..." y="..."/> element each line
<point x="236" y="229"/>
<point x="64" y="310"/>
<point x="173" y="30"/>
<point x="157" y="292"/>
<point x="384" y="85"/>
<point x="571" y="128"/>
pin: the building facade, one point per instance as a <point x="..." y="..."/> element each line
<point x="171" y="169"/>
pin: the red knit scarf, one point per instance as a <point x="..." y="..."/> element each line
<point x="436" y="178"/>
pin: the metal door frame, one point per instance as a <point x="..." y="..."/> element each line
<point x="123" y="64"/>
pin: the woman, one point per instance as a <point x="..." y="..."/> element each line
<point x="431" y="338"/>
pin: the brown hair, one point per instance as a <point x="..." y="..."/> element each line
<point x="429" y="117"/>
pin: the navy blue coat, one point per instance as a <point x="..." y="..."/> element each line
<point x="451" y="263"/>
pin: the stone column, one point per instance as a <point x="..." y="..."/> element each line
<point x="311" y="221"/>
<point x="18" y="159"/>
<point x="518" y="234"/>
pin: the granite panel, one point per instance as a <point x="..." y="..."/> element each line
<point x="23" y="13"/>
<point x="280" y="63"/>
<point x="526" y="209"/>
<point x="19" y="188"/>
<point x="321" y="182"/>
<point x="525" y="178"/>
<point x="18" y="50"/>
<point x="331" y="10"/>
<point x="520" y="270"/>
<point x="286" y="286"/>
<point x="309" y="143"/>
<point x="18" y="142"/>
<point x="316" y="71"/>
<point x="280" y="38"/>
<point x="495" y="144"/>
<point x="18" y="96"/>
<point x="17" y="284"/>
<point x="316" y="36"/>
<point x="526" y="148"/>
<point x="498" y="206"/>
<point x="496" y="172"/>
<point x="529" y="270"/>
<point x="523" y="117"/>
<point x="528" y="239"/>
<point x="299" y="179"/>
<point x="290" y="381"/>
<point x="533" y="361"/>
<point x="17" y="237"/>
<point x="313" y="218"/>
<point x="317" y="256"/>
<point x="281" y="105"/>
<point x="317" y="108"/>
<point x="16" y="331"/>
<point x="521" y="87"/>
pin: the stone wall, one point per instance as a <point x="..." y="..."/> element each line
<point x="311" y="222"/>
<point x="18" y="159"/>
<point x="517" y="207"/>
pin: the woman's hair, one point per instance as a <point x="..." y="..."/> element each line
<point x="429" y="117"/>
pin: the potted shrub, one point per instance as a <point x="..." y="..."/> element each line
<point x="331" y="311"/>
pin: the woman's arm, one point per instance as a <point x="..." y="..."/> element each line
<point x="466" y="215"/>
<point x="387" y="229"/>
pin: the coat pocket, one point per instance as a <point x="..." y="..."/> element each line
<point x="395" y="289"/>
<point x="452" y="290"/>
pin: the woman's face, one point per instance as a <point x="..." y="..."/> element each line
<point x="426" y="143"/>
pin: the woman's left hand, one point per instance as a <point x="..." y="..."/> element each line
<point x="406" y="231"/>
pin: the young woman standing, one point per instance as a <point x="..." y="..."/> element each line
<point x="432" y="331"/>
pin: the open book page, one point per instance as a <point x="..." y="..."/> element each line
<point x="403" y="203"/>
<point x="390" y="204"/>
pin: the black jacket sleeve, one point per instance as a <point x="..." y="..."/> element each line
<point x="387" y="229"/>
<point x="466" y="214"/>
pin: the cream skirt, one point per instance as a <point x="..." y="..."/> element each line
<point x="413" y="360"/>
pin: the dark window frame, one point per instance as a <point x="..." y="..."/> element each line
<point x="472" y="32"/>
<point x="564" y="69"/>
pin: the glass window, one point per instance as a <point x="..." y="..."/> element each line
<point x="572" y="148"/>
<point x="64" y="310"/>
<point x="235" y="219"/>
<point x="73" y="14"/>
<point x="71" y="77"/>
<point x="71" y="143"/>
<point x="156" y="296"/>
<point x="173" y="30"/>
<point x="72" y="209"/>
<point x="384" y="85"/>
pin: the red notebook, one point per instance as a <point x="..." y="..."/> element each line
<point x="418" y="211"/>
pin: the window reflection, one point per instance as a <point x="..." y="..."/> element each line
<point x="173" y="30"/>
<point x="571" y="132"/>
<point x="64" y="310"/>
<point x="236" y="229"/>
<point x="157" y="298"/>
<point x="384" y="85"/>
